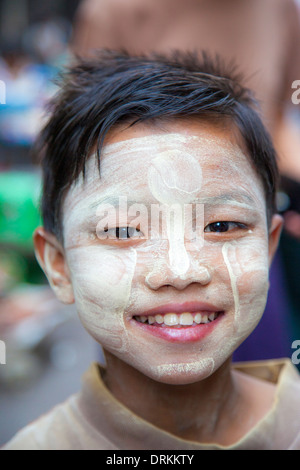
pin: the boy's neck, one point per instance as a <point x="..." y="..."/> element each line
<point x="202" y="411"/>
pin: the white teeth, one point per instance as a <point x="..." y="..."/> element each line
<point x="183" y="319"/>
<point x="159" y="319"/>
<point x="186" y="319"/>
<point x="171" y="319"/>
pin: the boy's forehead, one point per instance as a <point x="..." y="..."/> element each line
<point x="181" y="147"/>
<point x="186" y="157"/>
<point x="181" y="132"/>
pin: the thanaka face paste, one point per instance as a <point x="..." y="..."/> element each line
<point x="170" y="179"/>
<point x="115" y="281"/>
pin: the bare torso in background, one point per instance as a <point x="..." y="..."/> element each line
<point x="262" y="36"/>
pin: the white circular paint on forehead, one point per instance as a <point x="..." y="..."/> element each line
<point x="175" y="176"/>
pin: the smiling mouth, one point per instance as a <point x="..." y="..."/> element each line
<point x="176" y="320"/>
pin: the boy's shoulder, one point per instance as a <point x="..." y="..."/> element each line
<point x="270" y="370"/>
<point x="63" y="428"/>
<point x="282" y="422"/>
<point x="45" y="432"/>
<point x="93" y="418"/>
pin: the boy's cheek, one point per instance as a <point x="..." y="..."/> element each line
<point x="247" y="265"/>
<point x="102" y="282"/>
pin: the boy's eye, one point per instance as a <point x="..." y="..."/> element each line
<point x="123" y="233"/>
<point x="221" y="227"/>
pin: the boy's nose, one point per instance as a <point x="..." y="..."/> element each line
<point x="165" y="276"/>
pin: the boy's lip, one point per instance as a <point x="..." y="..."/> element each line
<point x="179" y="308"/>
<point x="182" y="334"/>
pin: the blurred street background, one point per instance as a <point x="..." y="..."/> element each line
<point x="47" y="350"/>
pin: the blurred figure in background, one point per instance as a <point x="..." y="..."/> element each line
<point x="261" y="36"/>
<point x="41" y="335"/>
<point x="263" y="39"/>
<point x="29" y="62"/>
<point x="28" y="65"/>
<point x="27" y="90"/>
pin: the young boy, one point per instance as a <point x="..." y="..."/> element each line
<point x="160" y="224"/>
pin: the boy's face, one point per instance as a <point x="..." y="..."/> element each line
<point x="172" y="299"/>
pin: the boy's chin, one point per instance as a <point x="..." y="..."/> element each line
<point x="181" y="374"/>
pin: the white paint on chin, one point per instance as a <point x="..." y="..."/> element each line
<point x="198" y="370"/>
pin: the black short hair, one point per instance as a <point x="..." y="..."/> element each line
<point x="113" y="87"/>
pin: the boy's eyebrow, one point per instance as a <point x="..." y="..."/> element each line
<point x="105" y="200"/>
<point x="237" y="197"/>
<point x="115" y="201"/>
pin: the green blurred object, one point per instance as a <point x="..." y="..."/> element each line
<point x="19" y="209"/>
<point x="13" y="270"/>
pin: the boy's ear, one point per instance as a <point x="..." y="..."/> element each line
<point x="50" y="255"/>
<point x="274" y="235"/>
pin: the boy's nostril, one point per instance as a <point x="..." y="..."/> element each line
<point x="167" y="278"/>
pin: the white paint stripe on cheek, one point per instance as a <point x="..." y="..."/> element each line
<point x="233" y="282"/>
<point x="127" y="300"/>
<point x="103" y="294"/>
<point x="124" y="289"/>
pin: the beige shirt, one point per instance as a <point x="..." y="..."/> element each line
<point x="262" y="36"/>
<point x="94" y="420"/>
